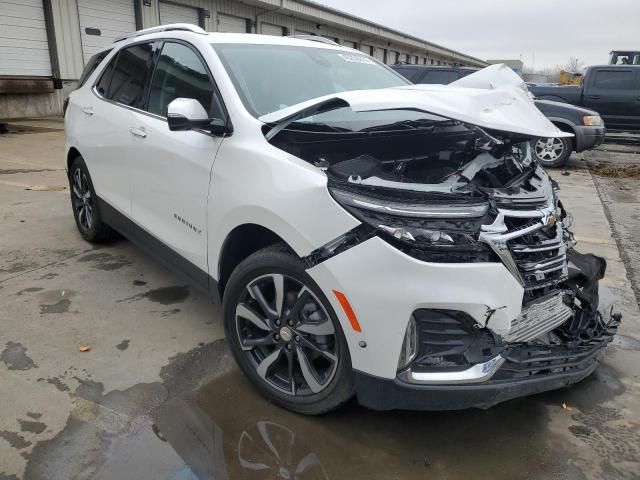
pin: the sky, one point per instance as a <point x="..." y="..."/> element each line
<point x="542" y="33"/>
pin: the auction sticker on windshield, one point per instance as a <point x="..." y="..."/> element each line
<point x="349" y="57"/>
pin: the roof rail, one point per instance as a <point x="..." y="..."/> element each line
<point x="162" y="28"/>
<point x="316" y="38"/>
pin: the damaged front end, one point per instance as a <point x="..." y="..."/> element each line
<point x="443" y="190"/>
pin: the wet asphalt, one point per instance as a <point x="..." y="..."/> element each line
<point x="158" y="396"/>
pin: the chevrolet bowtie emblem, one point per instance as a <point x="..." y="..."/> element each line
<point x="551" y="220"/>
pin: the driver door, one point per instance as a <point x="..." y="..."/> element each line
<point x="170" y="170"/>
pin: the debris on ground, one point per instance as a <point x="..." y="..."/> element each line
<point x="566" y="407"/>
<point x="609" y="170"/>
<point x="84" y="348"/>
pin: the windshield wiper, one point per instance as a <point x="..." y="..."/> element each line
<point x="409" y="125"/>
<point x="309" y="126"/>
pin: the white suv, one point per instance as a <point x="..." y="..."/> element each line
<point x="366" y="236"/>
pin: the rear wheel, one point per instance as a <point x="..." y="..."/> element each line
<point x="284" y="334"/>
<point x="552" y="152"/>
<point x="85" y="206"/>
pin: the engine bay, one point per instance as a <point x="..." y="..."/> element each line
<point x="421" y="159"/>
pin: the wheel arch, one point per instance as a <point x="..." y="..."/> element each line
<point x="568" y="127"/>
<point x="72" y="154"/>
<point x="240" y="243"/>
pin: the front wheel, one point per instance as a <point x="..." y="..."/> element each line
<point x="284" y="334"/>
<point x="552" y="152"/>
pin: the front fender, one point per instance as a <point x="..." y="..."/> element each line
<point x="265" y="186"/>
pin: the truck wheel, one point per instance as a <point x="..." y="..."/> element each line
<point x="552" y="152"/>
<point x="85" y="206"/>
<point x="284" y="334"/>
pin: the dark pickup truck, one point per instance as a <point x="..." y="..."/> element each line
<point x="611" y="90"/>
<point x="585" y="124"/>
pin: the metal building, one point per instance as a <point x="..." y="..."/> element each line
<point x="44" y="44"/>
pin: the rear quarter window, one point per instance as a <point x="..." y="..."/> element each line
<point x="91" y="66"/>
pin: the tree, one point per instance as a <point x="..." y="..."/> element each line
<point x="574" y="65"/>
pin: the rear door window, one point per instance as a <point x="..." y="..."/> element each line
<point x="102" y="86"/>
<point x="411" y="74"/>
<point x="131" y="75"/>
<point x="614" y="79"/>
<point x="444" y="77"/>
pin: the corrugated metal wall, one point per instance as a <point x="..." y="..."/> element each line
<point x="307" y="18"/>
<point x="67" y="33"/>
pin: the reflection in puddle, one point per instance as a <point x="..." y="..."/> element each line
<point x="227" y="431"/>
<point x="273" y="451"/>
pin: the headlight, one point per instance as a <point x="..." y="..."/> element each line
<point x="592" y="120"/>
<point x="437" y="232"/>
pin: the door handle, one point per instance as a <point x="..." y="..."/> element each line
<point x="87" y="110"/>
<point x="138" y="132"/>
<point x="594" y="97"/>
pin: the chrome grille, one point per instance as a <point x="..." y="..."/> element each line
<point x="531" y="245"/>
<point x="540" y="256"/>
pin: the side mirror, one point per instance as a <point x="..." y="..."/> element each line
<point x="188" y="114"/>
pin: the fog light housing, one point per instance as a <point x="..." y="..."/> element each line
<point x="409" y="344"/>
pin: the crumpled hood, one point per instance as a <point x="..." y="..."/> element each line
<point x="490" y="98"/>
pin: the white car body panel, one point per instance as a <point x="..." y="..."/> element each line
<point x="383" y="303"/>
<point x="89" y="128"/>
<point x="170" y="178"/>
<point x="281" y="192"/>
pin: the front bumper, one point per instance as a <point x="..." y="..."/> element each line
<point x="588" y="137"/>
<point x="526" y="370"/>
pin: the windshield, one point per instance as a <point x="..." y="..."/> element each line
<point x="271" y="77"/>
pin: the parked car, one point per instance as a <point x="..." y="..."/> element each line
<point x="611" y="90"/>
<point x="365" y="236"/>
<point x="586" y="125"/>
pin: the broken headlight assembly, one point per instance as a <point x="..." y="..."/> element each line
<point x="435" y="232"/>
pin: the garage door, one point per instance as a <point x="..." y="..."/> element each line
<point x="170" y="13"/>
<point x="365" y="48"/>
<point x="227" y="23"/>
<point x="276" y="30"/>
<point x="23" y="39"/>
<point x="379" y="54"/>
<point x="392" y="57"/>
<point x="101" y="22"/>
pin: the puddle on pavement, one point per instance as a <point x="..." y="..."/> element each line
<point x="227" y="431"/>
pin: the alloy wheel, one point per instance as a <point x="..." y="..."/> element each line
<point x="549" y="149"/>
<point x="82" y="200"/>
<point x="287" y="335"/>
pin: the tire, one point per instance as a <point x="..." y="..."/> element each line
<point x="84" y="205"/>
<point x="552" y="152"/>
<point x="293" y="350"/>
